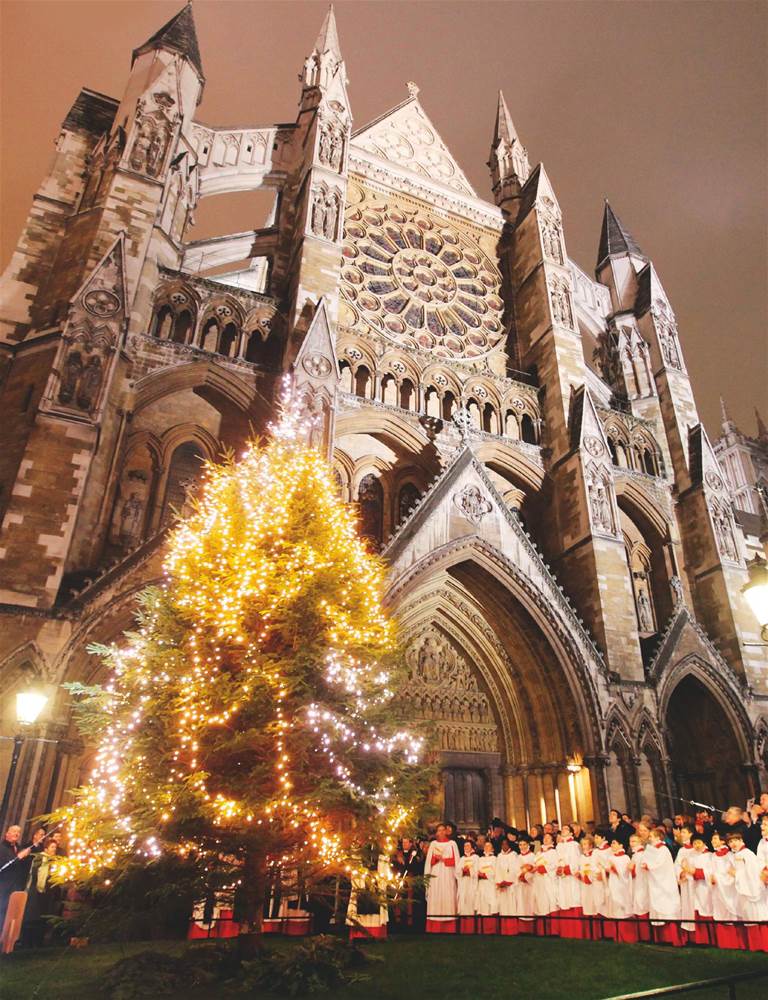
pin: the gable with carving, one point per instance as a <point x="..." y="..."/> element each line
<point x="405" y="136"/>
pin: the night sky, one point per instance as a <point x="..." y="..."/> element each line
<point x="660" y="107"/>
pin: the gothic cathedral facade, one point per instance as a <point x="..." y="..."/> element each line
<point x="522" y="439"/>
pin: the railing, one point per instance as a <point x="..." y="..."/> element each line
<point x="701" y="984"/>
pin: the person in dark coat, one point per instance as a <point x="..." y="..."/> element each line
<point x="13" y="871"/>
<point x="620" y="829"/>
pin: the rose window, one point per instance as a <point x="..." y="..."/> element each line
<point x="420" y="283"/>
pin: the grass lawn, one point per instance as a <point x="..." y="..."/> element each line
<point x="478" y="968"/>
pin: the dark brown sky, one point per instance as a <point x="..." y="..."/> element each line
<point x="660" y="107"/>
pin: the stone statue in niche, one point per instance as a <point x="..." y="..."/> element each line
<point x="149" y="146"/>
<point x="561" y="304"/>
<point x="606" y="356"/>
<point x="337" y="148"/>
<point x="70" y="376"/>
<point x="726" y="543"/>
<point x="676" y="584"/>
<point x="600" y="504"/>
<point x="318" y="212"/>
<point x="429" y="661"/>
<point x="550" y="238"/>
<point x="669" y="349"/>
<point x="89" y="383"/>
<point x="130" y="519"/>
<point x="331" y="146"/>
<point x="644" y="613"/>
<point x="331" y="217"/>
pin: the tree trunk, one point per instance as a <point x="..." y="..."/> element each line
<point x="251" y="938"/>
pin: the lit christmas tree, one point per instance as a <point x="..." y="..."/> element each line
<point x="250" y="716"/>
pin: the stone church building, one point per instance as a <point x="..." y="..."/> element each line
<point x="521" y="437"/>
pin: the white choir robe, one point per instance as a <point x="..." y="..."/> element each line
<point x="702" y="897"/>
<point x="724" y="900"/>
<point x="640" y="900"/>
<point x="663" y="894"/>
<point x="544" y="889"/>
<point x="466" y="885"/>
<point x="524" y="891"/>
<point x="620" y="897"/>
<point x="487" y="902"/>
<point x="750" y="897"/>
<point x="602" y="856"/>
<point x="592" y="889"/>
<point x="762" y="858"/>
<point x="684" y="869"/>
<point x="441" y="886"/>
<point x="507" y="869"/>
<point x="568" y="855"/>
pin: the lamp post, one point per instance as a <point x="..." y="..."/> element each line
<point x="756" y="592"/>
<point x="29" y="705"/>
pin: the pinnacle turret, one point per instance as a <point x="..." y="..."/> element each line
<point x="178" y="35"/>
<point x="509" y="158"/>
<point x="615" y="239"/>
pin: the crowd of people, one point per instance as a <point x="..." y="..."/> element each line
<point x="687" y="880"/>
<point x="690" y="880"/>
<point x="25" y="872"/>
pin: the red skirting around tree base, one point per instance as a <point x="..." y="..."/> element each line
<point x="371" y="933"/>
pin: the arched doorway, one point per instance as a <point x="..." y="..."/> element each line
<point x="705" y="754"/>
<point x="488" y="668"/>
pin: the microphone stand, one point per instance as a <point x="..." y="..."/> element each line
<point x="693" y="802"/>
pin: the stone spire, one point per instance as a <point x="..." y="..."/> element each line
<point x="178" y="35"/>
<point x="725" y="417"/>
<point x="325" y="61"/>
<point x="615" y="239"/>
<point x="762" y="430"/>
<point x="505" y="129"/>
<point x="328" y="38"/>
<point x="509" y="158"/>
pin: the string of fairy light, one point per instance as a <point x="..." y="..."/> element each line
<point x="241" y="549"/>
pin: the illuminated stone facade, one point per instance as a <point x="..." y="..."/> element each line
<point x="522" y="439"/>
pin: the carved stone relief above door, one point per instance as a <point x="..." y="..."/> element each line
<point x="442" y="687"/>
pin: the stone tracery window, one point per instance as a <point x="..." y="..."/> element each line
<point x="420" y="282"/>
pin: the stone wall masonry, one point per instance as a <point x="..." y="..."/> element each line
<point x="20" y="394"/>
<point x="38" y="524"/>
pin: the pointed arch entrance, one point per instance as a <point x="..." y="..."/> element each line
<point x="707" y="748"/>
<point x="510" y="704"/>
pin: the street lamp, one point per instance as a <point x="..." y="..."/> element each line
<point x="756" y="592"/>
<point x="29" y="705"/>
